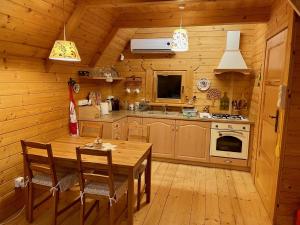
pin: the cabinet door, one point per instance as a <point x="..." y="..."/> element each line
<point x="133" y="123"/>
<point x="162" y="134"/>
<point x="192" y="140"/>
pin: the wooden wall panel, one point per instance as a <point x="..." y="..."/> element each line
<point x="207" y="45"/>
<point x="258" y="69"/>
<point x="289" y="185"/>
<point x="33" y="105"/>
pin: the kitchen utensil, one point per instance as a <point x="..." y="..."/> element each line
<point x="115" y="104"/>
<point x="136" y="106"/>
<point x="224" y="102"/>
<point x="131" y="107"/>
<point x="109" y="100"/>
<point x="104" y="108"/>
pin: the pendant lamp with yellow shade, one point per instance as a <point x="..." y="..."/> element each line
<point x="64" y="50"/>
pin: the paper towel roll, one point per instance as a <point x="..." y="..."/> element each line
<point x="104" y="108"/>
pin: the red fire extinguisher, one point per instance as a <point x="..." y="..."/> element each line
<point x="298" y="217"/>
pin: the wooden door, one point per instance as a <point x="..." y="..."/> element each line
<point x="192" y="140"/>
<point x="267" y="161"/>
<point x="162" y="134"/>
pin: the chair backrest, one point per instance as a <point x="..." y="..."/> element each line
<point x="91" y="129"/>
<point x="139" y="133"/>
<point x="89" y="160"/>
<point x="38" y="163"/>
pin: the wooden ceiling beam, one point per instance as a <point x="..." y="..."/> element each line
<point x="103" y="45"/>
<point x="295" y="5"/>
<point x="71" y="26"/>
<point x="194" y="18"/>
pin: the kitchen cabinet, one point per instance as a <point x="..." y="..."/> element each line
<point x="192" y="140"/>
<point x="162" y="136"/>
<point x="183" y="140"/>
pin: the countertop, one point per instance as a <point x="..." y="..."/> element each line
<point x="117" y="115"/>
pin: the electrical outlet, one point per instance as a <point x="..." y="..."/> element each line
<point x="19" y="182"/>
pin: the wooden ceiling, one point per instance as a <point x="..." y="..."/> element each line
<point x="30" y="27"/>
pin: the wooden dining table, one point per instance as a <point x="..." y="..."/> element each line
<point x="127" y="156"/>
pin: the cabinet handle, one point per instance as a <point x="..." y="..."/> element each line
<point x="228" y="161"/>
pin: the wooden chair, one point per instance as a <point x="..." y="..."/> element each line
<point x="40" y="173"/>
<point x="139" y="133"/>
<point x="91" y="129"/>
<point x="104" y="185"/>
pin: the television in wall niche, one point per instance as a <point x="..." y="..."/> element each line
<point x="169" y="86"/>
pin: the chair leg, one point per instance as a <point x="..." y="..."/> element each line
<point x="55" y="207"/>
<point x="82" y="211"/>
<point x="30" y="203"/>
<point x="98" y="206"/>
<point x="111" y="214"/>
<point x="139" y="190"/>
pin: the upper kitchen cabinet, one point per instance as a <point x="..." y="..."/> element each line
<point x="192" y="141"/>
<point x="162" y="134"/>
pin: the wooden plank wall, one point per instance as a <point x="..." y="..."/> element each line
<point x="289" y="185"/>
<point x="256" y="83"/>
<point x="207" y="45"/>
<point x="33" y="105"/>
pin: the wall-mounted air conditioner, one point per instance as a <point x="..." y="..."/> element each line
<point x="154" y="46"/>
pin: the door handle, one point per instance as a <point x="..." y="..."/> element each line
<point x="276" y="118"/>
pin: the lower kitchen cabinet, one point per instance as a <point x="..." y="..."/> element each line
<point x="192" y="141"/>
<point x="162" y="136"/>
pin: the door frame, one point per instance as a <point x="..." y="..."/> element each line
<point x="289" y="59"/>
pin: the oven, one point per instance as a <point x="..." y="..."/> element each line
<point x="230" y="140"/>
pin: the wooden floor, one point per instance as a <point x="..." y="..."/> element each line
<point x="186" y="195"/>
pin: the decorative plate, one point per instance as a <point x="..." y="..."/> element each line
<point x="203" y="84"/>
<point x="76" y="88"/>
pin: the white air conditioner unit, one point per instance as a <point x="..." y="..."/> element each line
<point x="156" y="45"/>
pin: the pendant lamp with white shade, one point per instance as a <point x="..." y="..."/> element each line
<point x="64" y="50"/>
<point x="180" y="42"/>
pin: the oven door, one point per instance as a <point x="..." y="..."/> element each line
<point x="231" y="144"/>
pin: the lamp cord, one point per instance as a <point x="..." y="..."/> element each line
<point x="64" y="20"/>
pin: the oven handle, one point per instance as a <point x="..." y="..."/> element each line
<point x="229" y="131"/>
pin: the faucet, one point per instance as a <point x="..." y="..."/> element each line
<point x="164" y="109"/>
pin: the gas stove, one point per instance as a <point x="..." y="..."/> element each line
<point x="228" y="117"/>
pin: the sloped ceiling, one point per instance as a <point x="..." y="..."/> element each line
<point x="102" y="28"/>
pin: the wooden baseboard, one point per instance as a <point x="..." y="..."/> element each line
<point x="206" y="164"/>
<point x="11" y="203"/>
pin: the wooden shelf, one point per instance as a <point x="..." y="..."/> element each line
<point x="171" y="104"/>
<point x="101" y="78"/>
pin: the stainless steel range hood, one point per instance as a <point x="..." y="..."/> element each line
<point x="232" y="60"/>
